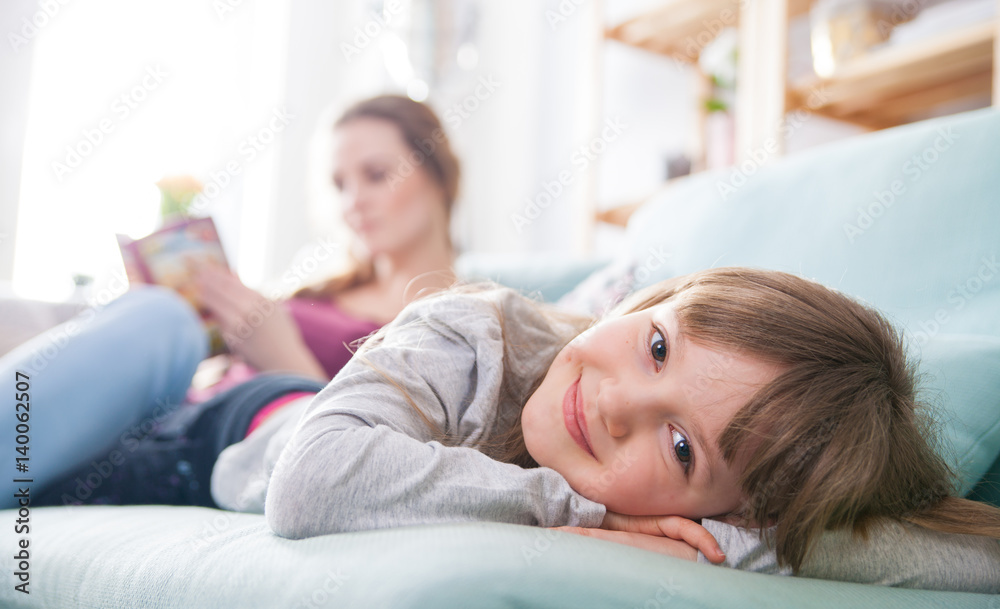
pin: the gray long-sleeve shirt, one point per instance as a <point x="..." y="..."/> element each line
<point x="358" y="456"/>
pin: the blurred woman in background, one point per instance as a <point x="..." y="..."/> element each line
<point x="128" y="369"/>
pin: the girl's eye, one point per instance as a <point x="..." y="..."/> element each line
<point x="376" y="176"/>
<point x="658" y="346"/>
<point x="681" y="447"/>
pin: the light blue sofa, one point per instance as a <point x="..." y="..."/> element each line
<point x="815" y="214"/>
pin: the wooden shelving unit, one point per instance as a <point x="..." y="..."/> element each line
<point x="890" y="86"/>
<point x="669" y="28"/>
<point x="895" y="84"/>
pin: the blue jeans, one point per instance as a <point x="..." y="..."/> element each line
<point x="97" y="383"/>
<point x="173" y="464"/>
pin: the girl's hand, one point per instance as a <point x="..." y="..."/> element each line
<point x="257" y="329"/>
<point x="671" y="535"/>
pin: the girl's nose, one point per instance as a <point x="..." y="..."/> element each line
<point x="613" y="407"/>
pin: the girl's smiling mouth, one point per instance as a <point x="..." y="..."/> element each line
<point x="573" y="417"/>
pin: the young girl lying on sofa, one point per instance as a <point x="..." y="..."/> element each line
<point x="733" y="396"/>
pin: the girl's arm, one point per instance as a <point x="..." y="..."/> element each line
<point x="361" y="457"/>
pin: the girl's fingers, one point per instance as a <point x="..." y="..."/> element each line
<point x="674" y="527"/>
<point x="653" y="543"/>
<point x="677" y="527"/>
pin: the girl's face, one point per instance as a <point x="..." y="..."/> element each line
<point x="390" y="214"/>
<point x="630" y="413"/>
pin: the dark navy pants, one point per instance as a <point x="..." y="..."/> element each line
<point x="172" y="465"/>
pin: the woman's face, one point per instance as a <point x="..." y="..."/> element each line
<point x="391" y="209"/>
<point x="630" y="413"/>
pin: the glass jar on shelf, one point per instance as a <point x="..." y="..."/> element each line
<point x="843" y="30"/>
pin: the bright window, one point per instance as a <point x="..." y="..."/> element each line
<point x="123" y="93"/>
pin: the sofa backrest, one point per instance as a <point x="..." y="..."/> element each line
<point x="906" y="218"/>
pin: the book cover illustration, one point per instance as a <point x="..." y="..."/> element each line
<point x="168" y="257"/>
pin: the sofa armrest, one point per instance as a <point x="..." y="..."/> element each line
<point x="21" y="320"/>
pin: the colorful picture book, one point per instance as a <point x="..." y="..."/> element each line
<point x="167" y="257"/>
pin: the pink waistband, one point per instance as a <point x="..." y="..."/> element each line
<point x="270" y="409"/>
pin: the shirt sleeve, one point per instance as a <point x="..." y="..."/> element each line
<point x="894" y="554"/>
<point x="361" y="456"/>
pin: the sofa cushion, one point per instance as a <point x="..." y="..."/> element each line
<point x="186" y="557"/>
<point x="960" y="381"/>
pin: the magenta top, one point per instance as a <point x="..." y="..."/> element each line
<point x="326" y="328"/>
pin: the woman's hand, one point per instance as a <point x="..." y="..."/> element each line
<point x="257" y="329"/>
<point x="670" y="535"/>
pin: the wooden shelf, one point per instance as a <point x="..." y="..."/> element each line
<point x="893" y="84"/>
<point x="681" y="28"/>
<point x="951" y="71"/>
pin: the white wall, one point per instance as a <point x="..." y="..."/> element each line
<point x="15" y="76"/>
